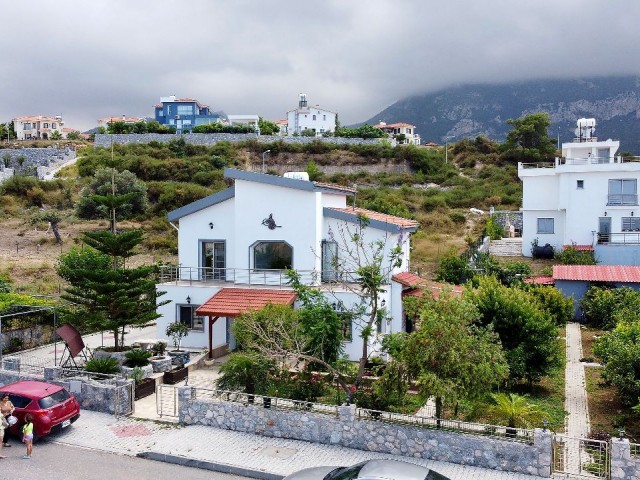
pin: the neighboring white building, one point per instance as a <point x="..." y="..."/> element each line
<point x="37" y="127"/>
<point x="104" y="122"/>
<point x="233" y="247"/>
<point x="400" y="133"/>
<point x="303" y="118"/>
<point x="283" y="125"/>
<point x="589" y="197"/>
<point x="250" y="120"/>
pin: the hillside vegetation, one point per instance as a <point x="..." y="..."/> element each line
<point x="437" y="193"/>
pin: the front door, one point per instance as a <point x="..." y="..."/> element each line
<point x="604" y="229"/>
<point x="212" y="260"/>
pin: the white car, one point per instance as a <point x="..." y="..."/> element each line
<point x="369" y="470"/>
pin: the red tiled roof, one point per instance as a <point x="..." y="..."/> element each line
<point x="408" y="279"/>
<point x="281" y="122"/>
<point x="394" y="125"/>
<point x="231" y="302"/>
<point x="597" y="273"/>
<point x="382" y="217"/>
<point x="582" y="248"/>
<point x="540" y="280"/>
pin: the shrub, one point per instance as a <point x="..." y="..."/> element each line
<point x="570" y="255"/>
<point x="137" y="358"/>
<point x="137" y="375"/>
<point x="159" y="348"/>
<point x="245" y="372"/>
<point x="494" y="229"/>
<point x="457" y="217"/>
<point x="106" y="365"/>
<point x="453" y="269"/>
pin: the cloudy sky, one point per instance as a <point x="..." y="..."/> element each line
<point x="87" y="59"/>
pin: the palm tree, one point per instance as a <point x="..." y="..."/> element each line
<point x="514" y="410"/>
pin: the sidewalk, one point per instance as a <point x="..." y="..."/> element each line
<point x="130" y="436"/>
<point x="578" y="424"/>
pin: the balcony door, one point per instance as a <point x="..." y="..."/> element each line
<point x="212" y="260"/>
<point x="604" y="229"/>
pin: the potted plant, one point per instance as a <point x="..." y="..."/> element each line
<point x="102" y="366"/>
<point x="160" y="362"/>
<point x="137" y="358"/>
<point x="175" y="375"/>
<point x="143" y="386"/>
<point x="177" y="331"/>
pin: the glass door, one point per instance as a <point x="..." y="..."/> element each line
<point x="604" y="229"/>
<point x="213" y="260"/>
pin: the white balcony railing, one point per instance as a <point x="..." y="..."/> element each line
<point x="178" y="274"/>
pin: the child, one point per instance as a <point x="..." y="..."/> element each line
<point x="27" y="434"/>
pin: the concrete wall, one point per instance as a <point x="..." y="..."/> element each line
<point x="612" y="254"/>
<point x="348" y="431"/>
<point x="104" y="140"/>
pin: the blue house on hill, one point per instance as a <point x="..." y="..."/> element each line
<point x="183" y="113"/>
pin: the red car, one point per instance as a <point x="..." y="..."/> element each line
<point x="52" y="407"/>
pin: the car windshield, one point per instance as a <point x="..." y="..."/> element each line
<point x="18" y="400"/>
<point x="345" y="473"/>
<point x="54" y="399"/>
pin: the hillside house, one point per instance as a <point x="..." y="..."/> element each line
<point x="235" y="245"/>
<point x="400" y="133"/>
<point x="306" y="118"/>
<point x="37" y="127"/>
<point x="587" y="198"/>
<point x="183" y="113"/>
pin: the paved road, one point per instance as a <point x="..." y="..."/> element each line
<point x="55" y="461"/>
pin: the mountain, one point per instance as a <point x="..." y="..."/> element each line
<point x="470" y="110"/>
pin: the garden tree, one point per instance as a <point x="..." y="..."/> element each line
<point x="513" y="410"/>
<point x="619" y="351"/>
<point x="570" y="255"/>
<point x="527" y="331"/>
<point x="7" y="131"/>
<point x="529" y="140"/>
<point x="308" y="132"/>
<point x="601" y="304"/>
<point x="53" y="218"/>
<point x="313" y="171"/>
<point x="56" y="135"/>
<point x="245" y="371"/>
<point x="363" y="131"/>
<point x="553" y="302"/>
<point x="278" y="333"/>
<point x="508" y="273"/>
<point x="365" y="266"/>
<point x="449" y="355"/>
<point x="454" y="269"/>
<point x="110" y="297"/>
<point x="267" y="128"/>
<point x="107" y="182"/>
<point x="74" y="135"/>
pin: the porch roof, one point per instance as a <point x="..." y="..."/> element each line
<point x="597" y="273"/>
<point x="231" y="302"/>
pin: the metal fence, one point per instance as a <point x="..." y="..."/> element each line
<point x="634" y="449"/>
<point x="517" y="434"/>
<point x="26" y="364"/>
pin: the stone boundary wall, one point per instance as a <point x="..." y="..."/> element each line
<point x="91" y="395"/>
<point x="370" y="435"/>
<point x="623" y="465"/>
<point x="105" y="140"/>
<point x="378" y="167"/>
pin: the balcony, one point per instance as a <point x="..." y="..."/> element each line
<point x="625" y="238"/>
<point x="617" y="199"/>
<point x="561" y="161"/>
<point x="207" y="276"/>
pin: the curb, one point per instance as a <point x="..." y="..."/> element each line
<point x="213" y="466"/>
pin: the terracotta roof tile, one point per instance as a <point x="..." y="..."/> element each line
<point x="394" y="125"/>
<point x="597" y="273"/>
<point x="417" y="285"/>
<point x="231" y="302"/>
<point x="540" y="280"/>
<point x="382" y="217"/>
<point x="582" y="248"/>
<point x="408" y="279"/>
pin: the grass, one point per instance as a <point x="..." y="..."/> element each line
<point x="588" y="335"/>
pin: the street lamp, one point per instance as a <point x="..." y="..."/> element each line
<point x="446" y="147"/>
<point x="263" y="154"/>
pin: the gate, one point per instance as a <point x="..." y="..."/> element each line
<point x="167" y="400"/>
<point x="124" y="399"/>
<point x="580" y="457"/>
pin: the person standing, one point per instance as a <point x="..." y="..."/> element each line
<point x="27" y="434"/>
<point x="6" y="410"/>
<point x="3" y="425"/>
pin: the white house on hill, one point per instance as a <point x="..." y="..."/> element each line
<point x="235" y="245"/>
<point x="588" y="198"/>
<point x="314" y="118"/>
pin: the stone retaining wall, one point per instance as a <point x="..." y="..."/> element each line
<point x="91" y="395"/>
<point x="40" y="159"/>
<point x="348" y="431"/>
<point x="623" y="465"/>
<point x="105" y="140"/>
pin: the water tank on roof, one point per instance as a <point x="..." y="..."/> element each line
<point x="297" y="175"/>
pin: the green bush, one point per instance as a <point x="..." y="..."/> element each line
<point x="245" y="372"/>
<point x="494" y="229"/>
<point x="137" y="358"/>
<point x="570" y="255"/>
<point x="106" y="365"/>
<point x="600" y="304"/>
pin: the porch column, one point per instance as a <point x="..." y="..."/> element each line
<point x="212" y="320"/>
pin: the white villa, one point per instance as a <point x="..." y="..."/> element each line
<point x="37" y="127"/>
<point x="588" y="198"/>
<point x="314" y="118"/>
<point x="400" y="133"/>
<point x="233" y="247"/>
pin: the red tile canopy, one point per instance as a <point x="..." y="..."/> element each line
<point x="232" y="302"/>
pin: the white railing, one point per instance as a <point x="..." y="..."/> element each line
<point x="245" y="276"/>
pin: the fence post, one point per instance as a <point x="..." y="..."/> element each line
<point x="185" y="395"/>
<point x="543" y="442"/>
<point x="622" y="466"/>
<point x="52" y="373"/>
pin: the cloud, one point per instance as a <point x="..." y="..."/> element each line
<point x="86" y="60"/>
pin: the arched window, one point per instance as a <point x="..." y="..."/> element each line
<point x="272" y="256"/>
